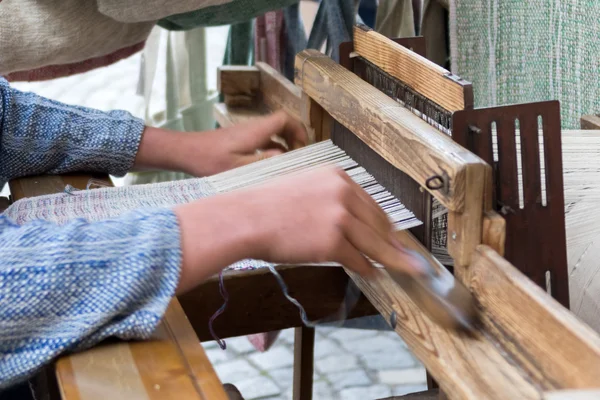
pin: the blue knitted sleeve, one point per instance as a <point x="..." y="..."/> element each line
<point x="68" y="287"/>
<point x="39" y="136"/>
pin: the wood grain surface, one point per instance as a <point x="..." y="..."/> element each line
<point x="395" y="133"/>
<point x="419" y="73"/>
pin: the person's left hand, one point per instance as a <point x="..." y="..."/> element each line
<point x="211" y="152"/>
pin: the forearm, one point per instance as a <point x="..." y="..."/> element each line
<point x="215" y="233"/>
<point x="39" y="135"/>
<point x="69" y="287"/>
<point x="162" y="149"/>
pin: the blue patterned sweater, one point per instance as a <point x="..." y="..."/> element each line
<point x="60" y="289"/>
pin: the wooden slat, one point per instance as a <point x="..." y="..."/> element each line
<point x="590" y="122"/>
<point x="400" y="137"/>
<point x="464" y="229"/>
<point x="304" y="346"/>
<point x="546" y="339"/>
<point x="464" y="367"/>
<point x="172" y="365"/>
<point x="421" y="74"/>
<point x="320" y="290"/>
<point x="278" y="93"/>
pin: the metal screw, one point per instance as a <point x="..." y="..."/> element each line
<point x="453" y="235"/>
<point x="421" y="189"/>
<point x="393" y="319"/>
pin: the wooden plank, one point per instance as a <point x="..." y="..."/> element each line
<point x="545" y="338"/>
<point x="228" y="116"/>
<point x="422" y="75"/>
<point x="172" y="365"/>
<point x="278" y="92"/>
<point x="464" y="229"/>
<point x="395" y="133"/>
<point x="590" y="122"/>
<point x="465" y="367"/>
<point x="304" y="345"/>
<point x="320" y="290"/>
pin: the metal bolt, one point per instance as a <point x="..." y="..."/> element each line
<point x="453" y="235"/>
<point x="393" y="319"/>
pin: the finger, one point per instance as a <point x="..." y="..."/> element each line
<point x="366" y="209"/>
<point x="292" y="131"/>
<point x="368" y="212"/>
<point x="364" y="239"/>
<point x="351" y="258"/>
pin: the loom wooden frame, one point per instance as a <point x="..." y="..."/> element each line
<point x="524" y="352"/>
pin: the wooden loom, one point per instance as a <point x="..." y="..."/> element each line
<point x="528" y="344"/>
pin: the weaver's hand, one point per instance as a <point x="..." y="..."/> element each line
<point x="211" y="152"/>
<point x="317" y="216"/>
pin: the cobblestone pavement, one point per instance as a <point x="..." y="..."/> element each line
<point x="349" y="363"/>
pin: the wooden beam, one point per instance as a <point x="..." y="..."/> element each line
<point x="422" y="75"/>
<point x="173" y="365"/>
<point x="465" y="228"/>
<point x="320" y="290"/>
<point x="278" y="92"/>
<point x="465" y="367"/>
<point x="395" y="133"/>
<point x="304" y="346"/>
<point x="545" y="338"/>
<point x="527" y="342"/>
<point x="590" y="122"/>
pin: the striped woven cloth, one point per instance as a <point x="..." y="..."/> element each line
<point x="523" y="51"/>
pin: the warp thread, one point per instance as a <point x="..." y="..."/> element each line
<point x="336" y="319"/>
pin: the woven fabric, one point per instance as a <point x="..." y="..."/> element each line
<point x="523" y="51"/>
<point x="35" y="34"/>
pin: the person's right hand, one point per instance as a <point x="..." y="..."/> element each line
<point x="318" y="216"/>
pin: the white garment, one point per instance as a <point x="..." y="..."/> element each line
<point x="188" y="101"/>
<point x="36" y="33"/>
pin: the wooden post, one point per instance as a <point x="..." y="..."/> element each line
<point x="304" y="344"/>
